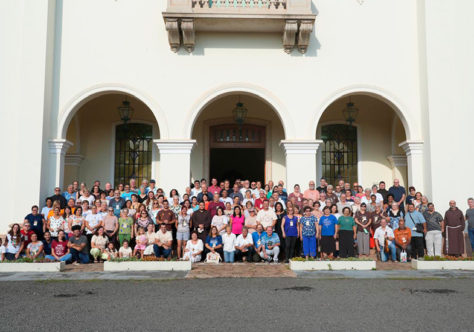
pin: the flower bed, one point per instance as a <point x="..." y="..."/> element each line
<point x="21" y="266"/>
<point x="146" y="265"/>
<point x="338" y="264"/>
<point x="443" y="263"/>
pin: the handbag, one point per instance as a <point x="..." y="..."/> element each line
<point x="213" y="257"/>
<point x="419" y="227"/>
<point x="403" y="256"/>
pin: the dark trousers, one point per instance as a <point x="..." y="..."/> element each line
<point x="78" y="256"/>
<point x="408" y="250"/>
<point x="346" y="244"/>
<point x="249" y="253"/>
<point x="161" y="251"/>
<point x="10" y="256"/>
<point x="417" y="247"/>
<point x="290" y="246"/>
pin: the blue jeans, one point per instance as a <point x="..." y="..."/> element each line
<point x="80" y="257"/>
<point x="393" y="252"/>
<point x="471" y="237"/>
<point x="65" y="258"/>
<point x="229" y="256"/>
<point x="309" y="246"/>
<point x="160" y="251"/>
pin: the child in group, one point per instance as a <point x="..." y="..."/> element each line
<point x="110" y="251"/>
<point x="141" y="243"/>
<point x="2" y="250"/>
<point x="125" y="251"/>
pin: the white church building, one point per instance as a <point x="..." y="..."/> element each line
<point x="292" y="90"/>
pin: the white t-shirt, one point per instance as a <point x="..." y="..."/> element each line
<point x="11" y="247"/>
<point x="241" y="241"/>
<point x="126" y="253"/>
<point x="266" y="218"/>
<point x="220" y="221"/>
<point x="45" y="211"/>
<point x="226" y="200"/>
<point x="90" y="199"/>
<point x="93" y="220"/>
<point x="380" y="235"/>
<point x="193" y="248"/>
<point x="229" y="241"/>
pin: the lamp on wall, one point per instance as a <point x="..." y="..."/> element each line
<point x="240" y="113"/>
<point x="350" y="112"/>
<point x="125" y="111"/>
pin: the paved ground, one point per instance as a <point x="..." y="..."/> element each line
<point x="238" y="304"/>
<point x="241" y="270"/>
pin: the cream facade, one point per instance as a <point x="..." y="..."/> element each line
<point x="67" y="65"/>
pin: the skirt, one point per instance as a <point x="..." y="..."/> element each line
<point x="328" y="244"/>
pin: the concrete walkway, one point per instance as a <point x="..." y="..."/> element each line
<point x="236" y="270"/>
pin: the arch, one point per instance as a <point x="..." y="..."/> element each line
<point x="411" y="129"/>
<point x="245" y="89"/>
<point x="87" y="95"/>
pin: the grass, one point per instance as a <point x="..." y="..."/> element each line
<point x="349" y="259"/>
<point x="446" y="258"/>
<point x="27" y="260"/>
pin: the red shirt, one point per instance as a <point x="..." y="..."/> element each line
<point x="59" y="247"/>
<point x="27" y="236"/>
<point x="212" y="207"/>
<point x="259" y="203"/>
<point x="214" y="189"/>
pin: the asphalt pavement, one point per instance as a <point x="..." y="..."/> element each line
<point x="238" y="304"/>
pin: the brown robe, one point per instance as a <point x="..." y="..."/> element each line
<point x="454" y="240"/>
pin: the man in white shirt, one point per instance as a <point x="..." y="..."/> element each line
<point x="382" y="233"/>
<point x="266" y="216"/>
<point x="378" y="196"/>
<point x="225" y="197"/>
<point x="277" y="198"/>
<point x="163" y="242"/>
<point x="197" y="189"/>
<point x="254" y="190"/>
<point x="244" y="246"/>
<point x="245" y="187"/>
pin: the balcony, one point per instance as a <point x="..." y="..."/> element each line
<point x="293" y="18"/>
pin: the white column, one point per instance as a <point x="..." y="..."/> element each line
<point x="300" y="162"/>
<point x="57" y="151"/>
<point x="175" y="163"/>
<point x="414" y="152"/>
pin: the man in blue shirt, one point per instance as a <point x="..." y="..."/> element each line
<point x="36" y="221"/>
<point x="399" y="193"/>
<point x="70" y="193"/>
<point x="117" y="203"/>
<point x="270" y="245"/>
<point x="127" y="194"/>
<point x="412" y="218"/>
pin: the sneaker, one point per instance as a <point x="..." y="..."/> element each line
<point x="75" y="264"/>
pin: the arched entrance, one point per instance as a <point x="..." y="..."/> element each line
<point x="104" y="148"/>
<point x="366" y="151"/>
<point x="226" y="149"/>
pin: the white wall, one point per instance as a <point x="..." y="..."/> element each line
<point x="450" y="81"/>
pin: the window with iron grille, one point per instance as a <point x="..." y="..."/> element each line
<point x="339" y="153"/>
<point x="133" y="152"/>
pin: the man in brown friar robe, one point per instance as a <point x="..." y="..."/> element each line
<point x="454" y="227"/>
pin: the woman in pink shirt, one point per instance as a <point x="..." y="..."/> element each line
<point x="237" y="221"/>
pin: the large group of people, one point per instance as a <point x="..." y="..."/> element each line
<point x="244" y="221"/>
